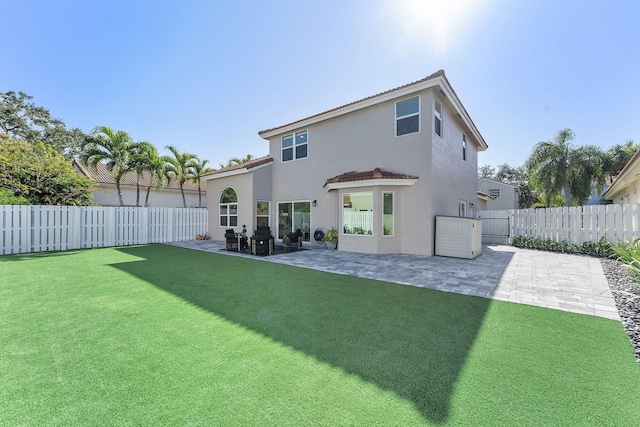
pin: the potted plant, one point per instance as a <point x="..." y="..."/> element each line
<point x="331" y="238"/>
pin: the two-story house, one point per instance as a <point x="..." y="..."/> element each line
<point x="504" y="195"/>
<point x="379" y="170"/>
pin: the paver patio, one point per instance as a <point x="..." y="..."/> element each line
<point x="574" y="283"/>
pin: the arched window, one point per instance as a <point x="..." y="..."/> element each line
<point x="228" y="208"/>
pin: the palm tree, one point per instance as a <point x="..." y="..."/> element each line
<point x="180" y="165"/>
<point x="112" y="147"/>
<point x="155" y="166"/>
<point x="557" y="165"/>
<point x="199" y="169"/>
<point x="237" y="161"/>
<point x="140" y="157"/>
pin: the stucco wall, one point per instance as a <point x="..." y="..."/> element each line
<point x="243" y="186"/>
<point x="107" y="195"/>
<point x="365" y="139"/>
<point x="508" y="195"/>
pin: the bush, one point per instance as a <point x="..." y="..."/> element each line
<point x="628" y="253"/>
<point x="8" y="198"/>
<point x="601" y="249"/>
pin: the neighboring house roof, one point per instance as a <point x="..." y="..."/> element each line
<point x="101" y="175"/>
<point x="499" y="182"/>
<point x="628" y="174"/>
<point x="436" y="79"/>
<point x="375" y="176"/>
<point x="240" y="168"/>
<point x="485" y="196"/>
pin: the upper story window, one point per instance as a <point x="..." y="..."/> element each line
<point x="408" y="116"/>
<point x="437" y="119"/>
<point x="464" y="147"/>
<point x="294" y="146"/>
<point x="495" y="193"/>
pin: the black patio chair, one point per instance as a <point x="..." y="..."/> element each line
<point x="262" y="241"/>
<point x="235" y="241"/>
<point x="293" y="241"/>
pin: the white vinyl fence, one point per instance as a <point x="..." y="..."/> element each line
<point x="576" y="225"/>
<point x="358" y="221"/>
<point x="58" y="228"/>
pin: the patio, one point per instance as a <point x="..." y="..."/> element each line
<point x="572" y="283"/>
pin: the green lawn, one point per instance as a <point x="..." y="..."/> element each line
<point x="159" y="335"/>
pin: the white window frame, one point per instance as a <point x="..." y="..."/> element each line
<point x="294" y="146"/>
<point x="406" y="116"/>
<point x="464" y="147"/>
<point x="462" y="208"/>
<point x="293" y="205"/>
<point x="393" y="213"/>
<point x="228" y="205"/>
<point x="372" y="212"/>
<point x="494" y="190"/>
<point x="268" y="215"/>
<point x="437" y="116"/>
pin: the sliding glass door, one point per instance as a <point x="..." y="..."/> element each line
<point x="294" y="215"/>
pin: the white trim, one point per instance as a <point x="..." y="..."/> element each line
<point x="234" y="172"/>
<point x="294" y="146"/>
<point x="373" y="232"/>
<point x="393" y="213"/>
<point x="370" y="183"/>
<point x="268" y="215"/>
<point x="292" y="202"/>
<point x="437" y="115"/>
<point x="396" y="118"/>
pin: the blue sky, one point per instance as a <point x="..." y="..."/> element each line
<point x="206" y="76"/>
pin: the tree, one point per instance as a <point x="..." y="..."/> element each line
<point x="486" y="171"/>
<point x="618" y="156"/>
<point x="23" y="120"/>
<point x="557" y="165"/>
<point x="237" y="161"/>
<point x="114" y="148"/>
<point x="37" y="174"/>
<point x="509" y="174"/>
<point x="199" y="168"/>
<point x="157" y="169"/>
<point x="141" y="154"/>
<point x="181" y="166"/>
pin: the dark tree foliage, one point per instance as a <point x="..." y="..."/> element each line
<point x="23" y="120"/>
<point x="36" y="174"/>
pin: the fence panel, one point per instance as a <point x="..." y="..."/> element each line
<point x="576" y="224"/>
<point x="52" y="228"/>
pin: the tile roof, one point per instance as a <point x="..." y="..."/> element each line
<point x="436" y="75"/>
<point x="101" y="175"/>
<point x="439" y="73"/>
<point x="253" y="163"/>
<point x="376" y="173"/>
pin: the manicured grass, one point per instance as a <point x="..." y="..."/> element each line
<point x="158" y="335"/>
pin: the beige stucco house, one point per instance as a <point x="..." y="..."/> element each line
<point x="379" y="170"/>
<point x="625" y="188"/>
<point x="168" y="196"/>
<point x="504" y="196"/>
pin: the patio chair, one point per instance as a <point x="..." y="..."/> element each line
<point x="262" y="241"/>
<point x="235" y="241"/>
<point x="293" y="240"/>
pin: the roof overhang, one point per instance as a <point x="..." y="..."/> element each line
<point x="369" y="183"/>
<point x="439" y="81"/>
<point x="628" y="174"/>
<point x="234" y="172"/>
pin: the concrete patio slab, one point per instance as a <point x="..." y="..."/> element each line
<point x="573" y="283"/>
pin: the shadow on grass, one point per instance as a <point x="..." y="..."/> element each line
<point x="410" y="340"/>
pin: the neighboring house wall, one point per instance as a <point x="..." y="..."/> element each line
<point x="625" y="188"/>
<point x="107" y="195"/>
<point x="509" y="196"/>
<point x="168" y="197"/>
